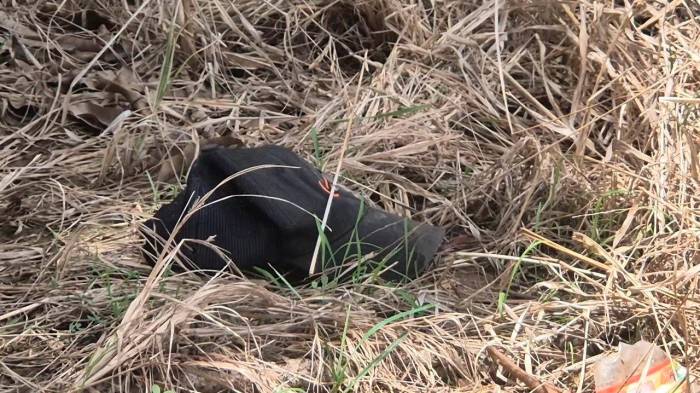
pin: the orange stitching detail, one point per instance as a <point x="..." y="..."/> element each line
<point x="326" y="186"/>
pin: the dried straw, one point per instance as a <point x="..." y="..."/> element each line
<point x="556" y="141"/>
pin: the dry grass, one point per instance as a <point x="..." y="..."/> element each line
<point x="557" y="142"/>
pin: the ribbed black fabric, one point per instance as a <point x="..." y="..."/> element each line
<point x="235" y="223"/>
<point x="291" y="198"/>
<point x="271" y="216"/>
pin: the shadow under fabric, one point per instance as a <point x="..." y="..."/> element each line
<point x="265" y="218"/>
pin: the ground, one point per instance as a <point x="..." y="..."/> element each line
<point x="557" y="143"/>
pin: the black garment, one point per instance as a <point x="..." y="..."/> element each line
<point x="272" y="215"/>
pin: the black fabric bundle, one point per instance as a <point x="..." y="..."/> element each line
<point x="271" y="216"/>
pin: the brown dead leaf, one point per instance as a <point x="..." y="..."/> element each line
<point x="72" y="43"/>
<point x="11" y="24"/>
<point x="122" y="82"/>
<point x="22" y="103"/>
<point x="94" y="115"/>
<point x="85" y="46"/>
